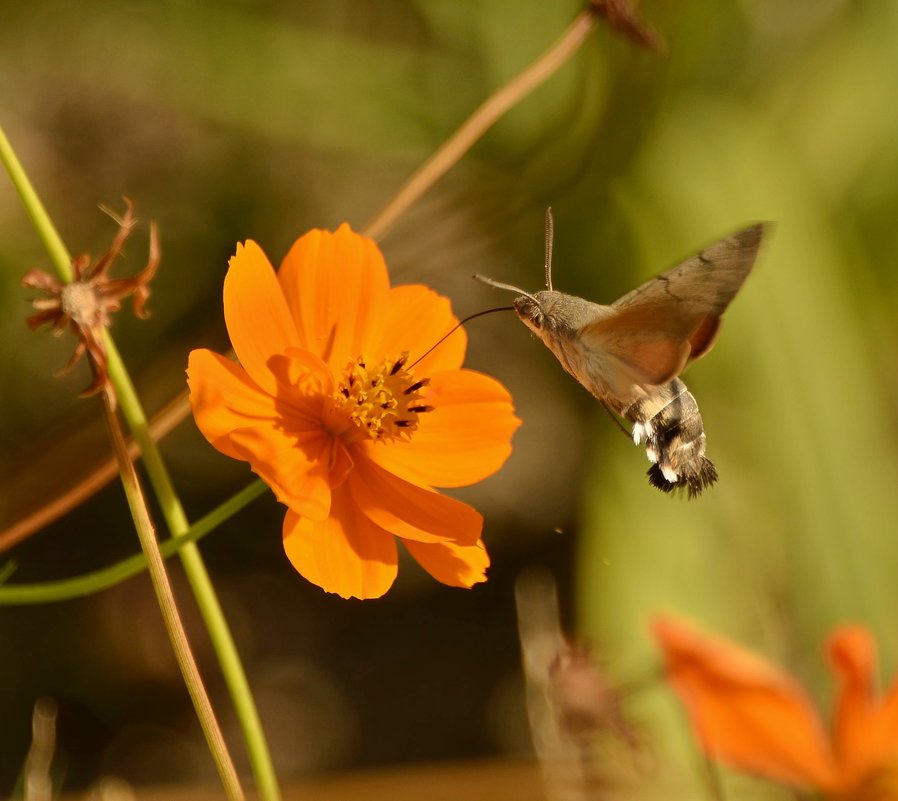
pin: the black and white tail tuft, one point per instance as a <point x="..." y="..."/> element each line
<point x="670" y="425"/>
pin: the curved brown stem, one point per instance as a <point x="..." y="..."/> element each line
<point x="481" y="120"/>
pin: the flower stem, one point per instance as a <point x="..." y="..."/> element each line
<point x="194" y="568"/>
<point x="481" y="120"/>
<point x="200" y="583"/>
<point x="170" y="616"/>
<point x="88" y="583"/>
<point x="35" y="210"/>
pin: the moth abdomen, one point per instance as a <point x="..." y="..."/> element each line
<point x="670" y="425"/>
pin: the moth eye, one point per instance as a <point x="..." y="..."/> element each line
<point x="537" y="319"/>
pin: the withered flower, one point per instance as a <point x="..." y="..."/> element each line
<point x="622" y="17"/>
<point x="85" y="304"/>
<point x="586" y="699"/>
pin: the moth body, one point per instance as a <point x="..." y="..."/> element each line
<point x="556" y="319"/>
<point x="666" y="418"/>
<point x="630" y="354"/>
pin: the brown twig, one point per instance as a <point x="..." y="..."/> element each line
<point x="481" y="120"/>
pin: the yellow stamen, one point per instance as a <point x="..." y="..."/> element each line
<point x="382" y="401"/>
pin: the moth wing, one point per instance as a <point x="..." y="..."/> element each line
<point x="705" y="283"/>
<point x="672" y="319"/>
<point x="635" y="356"/>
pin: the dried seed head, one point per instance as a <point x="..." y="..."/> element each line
<point x="86" y="304"/>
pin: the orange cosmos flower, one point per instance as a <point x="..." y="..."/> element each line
<point x="336" y="407"/>
<point x="758" y="719"/>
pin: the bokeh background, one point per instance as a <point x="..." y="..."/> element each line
<point x="234" y="120"/>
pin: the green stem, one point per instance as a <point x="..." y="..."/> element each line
<point x="35" y="210"/>
<point x="146" y="533"/>
<point x="89" y="583"/>
<point x="200" y="583"/>
<point x="194" y="568"/>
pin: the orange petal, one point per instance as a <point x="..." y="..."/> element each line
<point x="304" y="386"/>
<point x="449" y="563"/>
<point x="743" y="710"/>
<point x="852" y="656"/>
<point x="224" y="398"/>
<point x="409" y="511"/>
<point x="864" y="728"/>
<point x="336" y="286"/>
<point x="889" y="712"/>
<point x="259" y="323"/>
<point x="466" y="437"/>
<point x="345" y="554"/>
<point x="416" y="319"/>
<point x="297" y="468"/>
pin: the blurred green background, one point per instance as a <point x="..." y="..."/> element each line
<point x="234" y="120"/>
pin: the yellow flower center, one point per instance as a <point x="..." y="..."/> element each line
<point x="382" y="401"/>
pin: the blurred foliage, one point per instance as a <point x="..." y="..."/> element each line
<point x="234" y="119"/>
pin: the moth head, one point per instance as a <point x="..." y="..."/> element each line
<point x="531" y="311"/>
<point x="527" y="306"/>
<point x="532" y="308"/>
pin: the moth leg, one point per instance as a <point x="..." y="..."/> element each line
<point x="615" y="419"/>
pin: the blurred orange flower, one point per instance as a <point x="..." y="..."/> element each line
<point x="758" y="719"/>
<point x="336" y="407"/>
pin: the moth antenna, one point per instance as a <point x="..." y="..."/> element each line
<point x="550" y="236"/>
<point x="499" y="285"/>
<point x="456" y="327"/>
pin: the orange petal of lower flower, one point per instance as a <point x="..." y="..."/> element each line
<point x="466" y="437"/>
<point x="455" y="565"/>
<point x="297" y="468"/>
<point x="409" y="511"/>
<point x="416" y="318"/>
<point x="336" y="286"/>
<point x="888" y="715"/>
<point x="224" y="398"/>
<point x="865" y="728"/>
<point x="743" y="710"/>
<point x="345" y="554"/>
<point x="259" y="322"/>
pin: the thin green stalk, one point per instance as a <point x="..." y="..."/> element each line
<point x="194" y="568"/>
<point x="146" y="533"/>
<point x="35" y="210"/>
<point x="104" y="578"/>
<point x="200" y="583"/>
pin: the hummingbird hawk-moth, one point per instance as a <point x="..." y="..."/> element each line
<point x="630" y="354"/>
